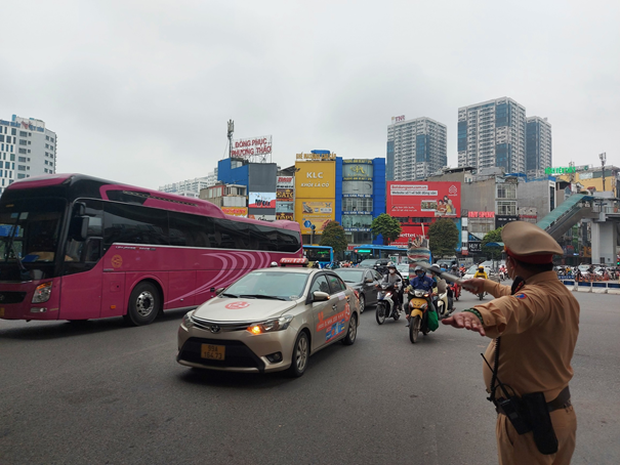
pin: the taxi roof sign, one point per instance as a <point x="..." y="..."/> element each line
<point x="294" y="261"/>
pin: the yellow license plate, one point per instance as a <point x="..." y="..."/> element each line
<point x="213" y="352"/>
<point x="1" y="312"/>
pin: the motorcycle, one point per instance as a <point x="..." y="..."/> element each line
<point x="481" y="295"/>
<point x="456" y="290"/>
<point x="442" y="304"/>
<point x="502" y="275"/>
<point x="418" y="306"/>
<point x="386" y="305"/>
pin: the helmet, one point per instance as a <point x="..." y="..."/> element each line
<point x="481" y="268"/>
<point x="435" y="269"/>
<point x="418" y="268"/>
<point x="272" y="264"/>
<point x="391" y="265"/>
<point x="454" y="267"/>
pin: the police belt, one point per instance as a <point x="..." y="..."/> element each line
<point x="561" y="401"/>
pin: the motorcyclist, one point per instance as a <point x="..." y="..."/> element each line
<point x="421" y="281"/>
<point x="481" y="273"/>
<point x="441" y="285"/>
<point x="395" y="279"/>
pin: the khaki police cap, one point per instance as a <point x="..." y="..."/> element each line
<point x="529" y="243"/>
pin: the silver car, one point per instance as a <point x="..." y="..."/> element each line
<point x="270" y="320"/>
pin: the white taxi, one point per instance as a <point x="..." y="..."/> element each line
<point x="272" y="319"/>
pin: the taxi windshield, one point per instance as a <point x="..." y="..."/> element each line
<point x="284" y="285"/>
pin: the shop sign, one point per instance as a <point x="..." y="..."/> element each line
<point x="480" y="214"/>
<point x="316" y="156"/>
<point x="284" y="216"/>
<point x="501" y="221"/>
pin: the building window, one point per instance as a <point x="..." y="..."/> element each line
<point x="22" y="150"/>
<point x="20" y="176"/>
<point x="507" y="208"/>
<point x="22" y="159"/>
<point x="507" y="191"/>
<point x="23" y="134"/>
<point x="22" y="142"/>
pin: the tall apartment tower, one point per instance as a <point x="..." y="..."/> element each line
<point x="27" y="149"/>
<point x="538" y="146"/>
<point x="492" y="134"/>
<point x="415" y="148"/>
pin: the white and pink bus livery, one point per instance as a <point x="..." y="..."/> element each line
<point x="74" y="247"/>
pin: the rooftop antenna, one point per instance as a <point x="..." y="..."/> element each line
<point x="231" y="130"/>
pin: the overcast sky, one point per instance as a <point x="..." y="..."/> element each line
<point x="140" y="91"/>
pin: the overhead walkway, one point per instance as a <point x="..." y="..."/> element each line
<point x="564" y="217"/>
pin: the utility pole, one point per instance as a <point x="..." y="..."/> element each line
<point x="231" y="130"/>
<point x="603" y="157"/>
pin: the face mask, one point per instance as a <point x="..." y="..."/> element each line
<point x="392" y="271"/>
<point x="420" y="275"/>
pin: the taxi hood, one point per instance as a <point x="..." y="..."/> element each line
<point x="231" y="310"/>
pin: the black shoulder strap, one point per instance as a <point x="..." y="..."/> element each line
<point x="517" y="284"/>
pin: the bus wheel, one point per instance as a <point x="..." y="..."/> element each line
<point x="144" y="304"/>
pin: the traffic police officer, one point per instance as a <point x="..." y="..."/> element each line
<point x="538" y="321"/>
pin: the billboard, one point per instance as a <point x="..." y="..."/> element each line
<point x="285" y="182"/>
<point x="285" y="216"/>
<point x="315" y="179"/>
<point x="285" y="207"/>
<point x="424" y="199"/>
<point x="314" y="212"/>
<point x="285" y="195"/>
<point x="236" y="211"/>
<point x="246" y="148"/>
<point x="262" y="200"/>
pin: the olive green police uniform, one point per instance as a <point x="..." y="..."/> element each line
<point x="538" y="326"/>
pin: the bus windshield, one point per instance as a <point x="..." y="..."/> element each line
<point x="29" y="234"/>
<point x="318" y="254"/>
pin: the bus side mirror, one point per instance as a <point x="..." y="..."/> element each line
<point x="79" y="228"/>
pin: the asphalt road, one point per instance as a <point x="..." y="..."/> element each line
<point x="101" y="393"/>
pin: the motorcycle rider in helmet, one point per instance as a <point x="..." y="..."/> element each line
<point x="481" y="273"/>
<point x="421" y="281"/>
<point x="392" y="277"/>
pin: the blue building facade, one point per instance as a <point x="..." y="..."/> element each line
<point x="360" y="197"/>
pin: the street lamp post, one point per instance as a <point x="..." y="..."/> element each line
<point x="603" y="157"/>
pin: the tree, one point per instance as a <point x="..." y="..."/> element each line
<point x="495" y="253"/>
<point x="334" y="237"/>
<point x="443" y="237"/>
<point x="388" y="227"/>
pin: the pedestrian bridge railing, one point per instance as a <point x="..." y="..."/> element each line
<point x="596" y="287"/>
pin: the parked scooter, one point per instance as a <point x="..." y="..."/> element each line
<point x="386" y="306"/>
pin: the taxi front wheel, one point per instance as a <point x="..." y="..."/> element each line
<point x="301" y="353"/>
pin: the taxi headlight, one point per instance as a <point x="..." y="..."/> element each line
<point x="188" y="319"/>
<point x="269" y="326"/>
<point x="42" y="293"/>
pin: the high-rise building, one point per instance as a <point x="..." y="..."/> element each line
<point x="191" y="187"/>
<point x="415" y="148"/>
<point x="27" y="149"/>
<point x="492" y="134"/>
<point x="537" y="146"/>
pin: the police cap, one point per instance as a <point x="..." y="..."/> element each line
<point x="528" y="243"/>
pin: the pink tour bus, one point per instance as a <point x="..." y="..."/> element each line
<point x="74" y="247"/>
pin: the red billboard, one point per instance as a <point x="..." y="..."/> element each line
<point x="410" y="232"/>
<point x="418" y="199"/>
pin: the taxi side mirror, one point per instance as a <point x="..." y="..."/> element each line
<point x="217" y="291"/>
<point x="318" y="296"/>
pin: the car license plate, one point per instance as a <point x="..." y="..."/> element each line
<point x="213" y="352"/>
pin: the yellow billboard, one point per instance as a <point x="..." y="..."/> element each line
<point x="315" y="179"/>
<point x="314" y="212"/>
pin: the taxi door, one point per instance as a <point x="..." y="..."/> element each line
<point x="323" y="313"/>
